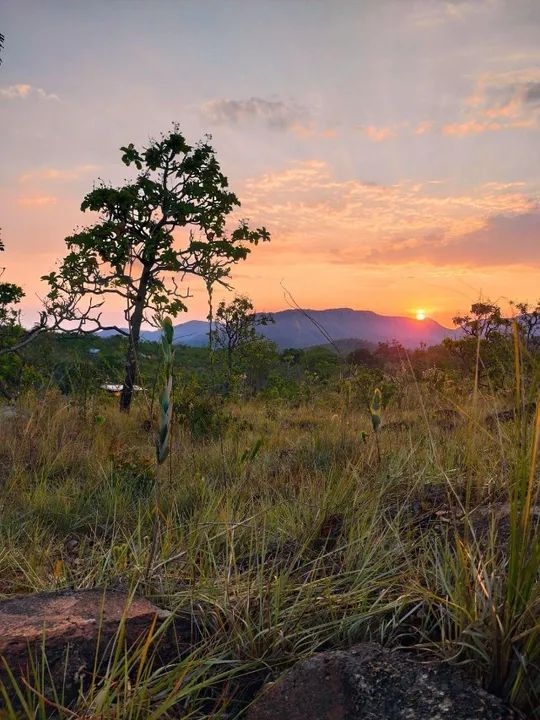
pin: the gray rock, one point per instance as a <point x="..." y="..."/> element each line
<point x="8" y="412"/>
<point x="369" y="682"/>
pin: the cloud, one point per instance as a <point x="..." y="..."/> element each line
<point x="476" y="127"/>
<point x="37" y="200"/>
<point x="16" y="91"/>
<point x="274" y="114"/>
<point x="423" y="127"/>
<point x="429" y="15"/>
<point x="22" y="91"/>
<point x="46" y="174"/>
<point x="501" y="101"/>
<point x="506" y="239"/>
<point x="378" y="134"/>
<point x="356" y="222"/>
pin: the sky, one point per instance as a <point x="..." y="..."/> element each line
<point x="391" y="147"/>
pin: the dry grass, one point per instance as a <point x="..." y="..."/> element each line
<point x="283" y="536"/>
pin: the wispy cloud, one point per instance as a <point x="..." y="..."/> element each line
<point x="22" y="91"/>
<point x="57" y="174"/>
<point x="502" y="101"/>
<point x="37" y="200"/>
<point x="431" y="13"/>
<point x="476" y="127"/>
<point x="508" y="239"/>
<point x="423" y="127"/>
<point x="274" y="114"/>
<point x="378" y="134"/>
<point x="356" y="222"/>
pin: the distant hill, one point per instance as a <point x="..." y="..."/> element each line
<point x="193" y="333"/>
<point x="292" y="329"/>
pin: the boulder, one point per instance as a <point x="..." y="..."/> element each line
<point x="8" y="412"/>
<point x="369" y="682"/>
<point x="72" y="628"/>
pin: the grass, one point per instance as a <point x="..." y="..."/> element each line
<point x="284" y="536"/>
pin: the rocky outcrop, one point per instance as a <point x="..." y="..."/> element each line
<point x="72" y="629"/>
<point x="369" y="682"/>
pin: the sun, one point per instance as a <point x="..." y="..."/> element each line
<point x="420" y="314"/>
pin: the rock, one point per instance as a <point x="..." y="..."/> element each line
<point x="498" y="517"/>
<point x="369" y="682"/>
<point x="72" y="628"/>
<point x="495" y="419"/>
<point x="8" y="412"/>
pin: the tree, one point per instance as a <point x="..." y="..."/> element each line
<point x="258" y="358"/>
<point x="2" y="38"/>
<point x="11" y="334"/>
<point x="167" y="223"/>
<point x="483" y="321"/>
<point x="13" y="337"/>
<point x="528" y="321"/>
<point x="236" y="325"/>
<point x="10" y="297"/>
<point x="363" y="356"/>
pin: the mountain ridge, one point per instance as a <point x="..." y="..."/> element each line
<point x="294" y="328"/>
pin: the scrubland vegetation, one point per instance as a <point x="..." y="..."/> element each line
<point x="298" y="500"/>
<point x="281" y="530"/>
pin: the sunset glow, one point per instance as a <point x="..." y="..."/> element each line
<point x="417" y="178"/>
<point x="420" y="314"/>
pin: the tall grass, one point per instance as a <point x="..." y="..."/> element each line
<point x="284" y="536"/>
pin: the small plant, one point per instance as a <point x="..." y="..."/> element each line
<point x="165" y="422"/>
<point x="375" y="408"/>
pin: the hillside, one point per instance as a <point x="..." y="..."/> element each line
<point x="292" y="329"/>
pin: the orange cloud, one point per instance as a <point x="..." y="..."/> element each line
<point x="506" y="239"/>
<point x="378" y="134"/>
<point x="57" y="174"/>
<point x="475" y="127"/>
<point x="423" y="127"/>
<point x="470" y="127"/>
<point x="352" y="221"/>
<point x="21" y="91"/>
<point x="37" y="201"/>
<point x="16" y="91"/>
<point x="502" y="101"/>
<point x="310" y="131"/>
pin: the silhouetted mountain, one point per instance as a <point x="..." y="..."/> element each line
<point x="193" y="333"/>
<point x="292" y="329"/>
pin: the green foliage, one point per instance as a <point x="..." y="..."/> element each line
<point x="282" y="533"/>
<point x="10" y="297"/>
<point x="375" y="409"/>
<point x="484" y="320"/>
<point x="236" y="329"/>
<point x="179" y="185"/>
<point x="361" y="383"/>
<point x="133" y="249"/>
<point x="198" y="410"/>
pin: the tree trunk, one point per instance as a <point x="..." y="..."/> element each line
<point x="130" y="376"/>
<point x="136" y="319"/>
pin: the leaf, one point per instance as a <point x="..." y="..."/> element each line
<point x="58" y="570"/>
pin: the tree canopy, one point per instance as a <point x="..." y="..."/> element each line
<point x="168" y="223"/>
